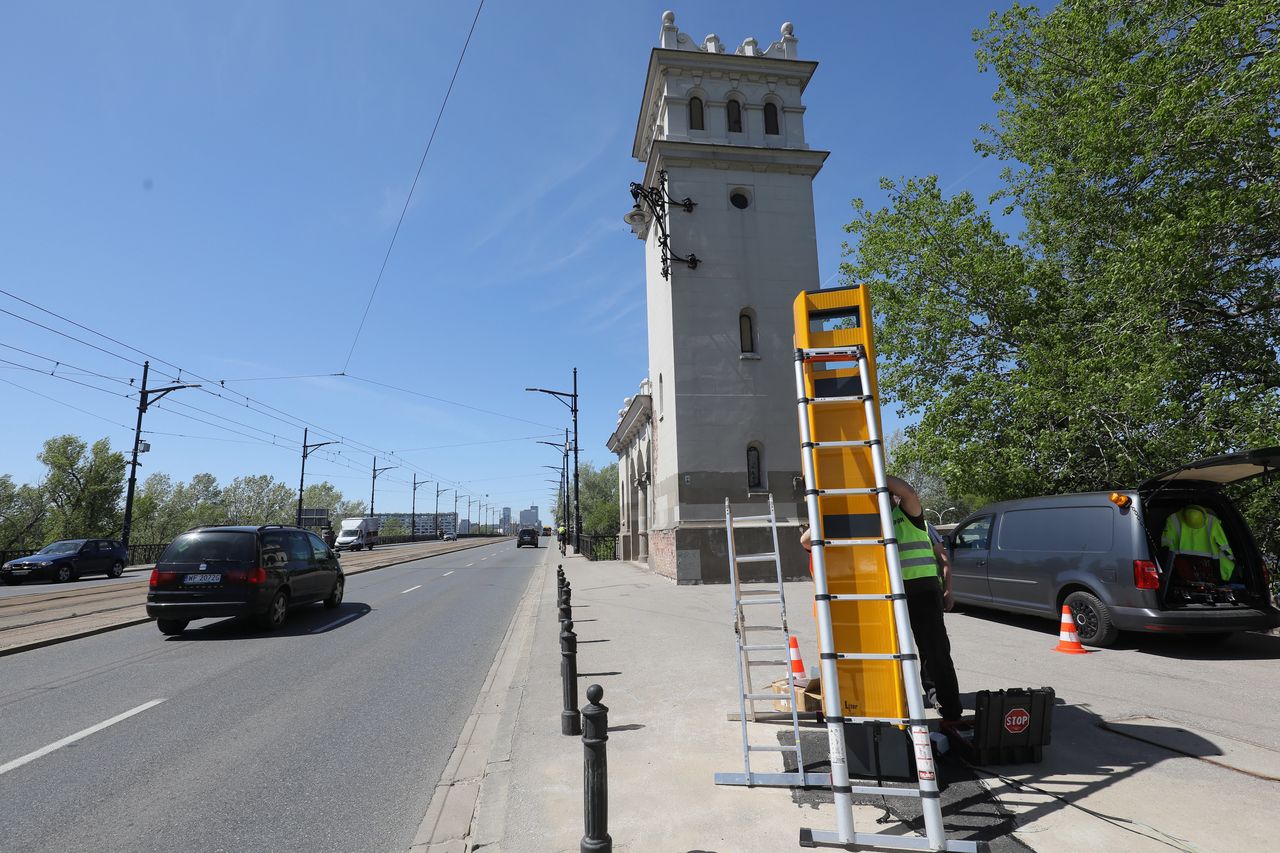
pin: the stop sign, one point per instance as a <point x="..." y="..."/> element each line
<point x="1017" y="721"/>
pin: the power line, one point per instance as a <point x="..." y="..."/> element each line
<point x="409" y="197"/>
<point x="450" y="402"/>
<point x="474" y="443"/>
<point x="63" y="403"/>
<point x="276" y="378"/>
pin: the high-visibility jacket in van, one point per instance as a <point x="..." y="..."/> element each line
<point x="1208" y="540"/>
<point x="915" y="550"/>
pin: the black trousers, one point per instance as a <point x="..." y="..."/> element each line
<point x="925" y="607"/>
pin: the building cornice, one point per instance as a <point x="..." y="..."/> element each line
<point x="795" y="161"/>
<point x="637" y="414"/>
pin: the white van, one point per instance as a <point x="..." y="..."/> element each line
<point x="357" y="533"/>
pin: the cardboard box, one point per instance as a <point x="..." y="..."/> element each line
<point x="808" y="697"/>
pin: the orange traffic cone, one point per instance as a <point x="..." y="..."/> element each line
<point x="797" y="664"/>
<point x="1068" y="642"/>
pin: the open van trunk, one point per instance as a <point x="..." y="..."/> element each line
<point x="1201" y="483"/>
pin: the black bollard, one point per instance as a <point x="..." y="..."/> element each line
<point x="566" y="594"/>
<point x="595" y="774"/>
<point x="570" y="722"/>
<point x="566" y="611"/>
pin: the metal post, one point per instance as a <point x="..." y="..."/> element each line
<point x="577" y="507"/>
<point x="302" y="478"/>
<point x="133" y="465"/>
<point x="373" y="485"/>
<point x="570" y="722"/>
<point x="595" y="774"/>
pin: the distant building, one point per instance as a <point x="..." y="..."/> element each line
<point x="506" y="519"/>
<point x="529" y="517"/>
<point x="426" y="523"/>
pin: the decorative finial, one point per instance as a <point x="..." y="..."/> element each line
<point x="668" y="18"/>
<point x="788" y="29"/>
<point x="594" y="694"/>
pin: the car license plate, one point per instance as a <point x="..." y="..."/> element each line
<point x="194" y="579"/>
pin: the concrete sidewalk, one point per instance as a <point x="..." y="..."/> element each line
<point x="664" y="655"/>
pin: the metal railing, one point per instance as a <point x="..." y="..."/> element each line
<point x="598" y="547"/>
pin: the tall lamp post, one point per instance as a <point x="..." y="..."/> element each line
<point x="564" y="461"/>
<point x="570" y="399"/>
<point x="145" y="397"/>
<point x="455" y="511"/>
<point x="413" y="513"/>
<point x="306" y="451"/>
<point x="373" y="488"/>
<point x="436" y="521"/>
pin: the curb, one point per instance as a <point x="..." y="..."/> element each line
<point x="129" y="623"/>
<point x="474" y="782"/>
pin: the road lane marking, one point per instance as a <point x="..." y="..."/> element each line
<point x="446" y="574"/>
<point x="410" y="589"/>
<point x="335" y="624"/>
<point x="58" y="744"/>
<point x="468" y="565"/>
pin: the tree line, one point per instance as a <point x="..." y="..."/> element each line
<point x="81" y="495"/>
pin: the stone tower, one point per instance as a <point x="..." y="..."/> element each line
<point x="716" y="416"/>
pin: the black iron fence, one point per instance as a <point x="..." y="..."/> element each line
<point x="598" y="547"/>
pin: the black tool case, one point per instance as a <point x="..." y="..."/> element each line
<point x="1012" y="726"/>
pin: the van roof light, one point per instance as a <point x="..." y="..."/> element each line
<point x="1119" y="499"/>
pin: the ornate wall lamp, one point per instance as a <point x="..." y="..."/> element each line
<point x="655" y="200"/>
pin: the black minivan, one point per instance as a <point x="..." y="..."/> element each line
<point x="259" y="572"/>
<point x="1100" y="554"/>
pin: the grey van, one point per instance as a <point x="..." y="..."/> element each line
<point x="1099" y="553"/>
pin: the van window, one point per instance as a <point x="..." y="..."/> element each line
<point x="976" y="534"/>
<point x="1077" y="529"/>
<point x="208" y="546"/>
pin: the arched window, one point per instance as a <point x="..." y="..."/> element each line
<point x="755" y="474"/>
<point x="771" y="119"/>
<point x="735" y="116"/>
<point x="695" y="114"/>
<point x="746" y="332"/>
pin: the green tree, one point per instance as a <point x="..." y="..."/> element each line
<point x="394" y="527"/>
<point x="598" y="492"/>
<point x="259" y="499"/>
<point x="1133" y="325"/>
<point x="22" y="513"/>
<point x="82" y="488"/>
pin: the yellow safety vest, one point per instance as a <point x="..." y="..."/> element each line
<point x="915" y="550"/>
<point x="1208" y="541"/>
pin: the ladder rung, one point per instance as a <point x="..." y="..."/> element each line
<point x="853" y="398"/>
<point x="850" y="543"/>
<point x="775" y="780"/>
<point x="763" y="628"/>
<point x="743" y="592"/>
<point x="873" y="656"/>
<point x="753" y="748"/>
<point x="864" y="491"/>
<point x="757" y="558"/>
<point x="765" y="647"/>
<point x="763" y="697"/>
<point x="867" y="596"/>
<point x="893" y="721"/>
<point x="768" y="663"/>
<point x="819" y="352"/>
<point x="760" y="601"/>
<point x="738" y="518"/>
<point x="829" y="445"/>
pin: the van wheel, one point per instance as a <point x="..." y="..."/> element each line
<point x="1093" y="619"/>
<point x="335" y="597"/>
<point x="276" y="613"/>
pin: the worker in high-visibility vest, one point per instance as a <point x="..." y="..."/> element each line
<point x="927" y="588"/>
<point x="1194" y="532"/>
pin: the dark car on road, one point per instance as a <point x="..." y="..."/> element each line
<point x="528" y="536"/>
<point x="1100" y="553"/>
<point x="256" y="572"/>
<point x="67" y="560"/>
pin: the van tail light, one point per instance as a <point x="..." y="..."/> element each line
<point x="1146" y="574"/>
<point x="162" y="579"/>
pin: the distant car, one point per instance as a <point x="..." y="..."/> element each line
<point x="257" y="572"/>
<point x="67" y="560"/>
<point x="528" y="536"/>
<point x="451" y="537"/>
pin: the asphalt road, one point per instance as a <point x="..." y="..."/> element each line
<point x="327" y="735"/>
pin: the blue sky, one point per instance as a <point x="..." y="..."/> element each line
<point x="216" y="185"/>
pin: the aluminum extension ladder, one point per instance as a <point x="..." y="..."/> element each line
<point x="744" y="600"/>
<point x="814" y="313"/>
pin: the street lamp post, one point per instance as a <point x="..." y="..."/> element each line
<point x="573" y="409"/>
<point x="306" y="451"/>
<point x="373" y="487"/>
<point x="145" y="398"/>
<point x="564" y="462"/>
<point x="413" y="513"/>
<point x="436" y="521"/>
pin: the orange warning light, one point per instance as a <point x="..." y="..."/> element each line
<point x="1119" y="500"/>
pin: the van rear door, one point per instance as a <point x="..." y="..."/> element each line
<point x="1220" y="470"/>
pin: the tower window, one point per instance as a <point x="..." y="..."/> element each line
<point x="695" y="114"/>
<point x="746" y="332"/>
<point x="771" y="119"/>
<point x="755" y="477"/>
<point x="735" y="116"/>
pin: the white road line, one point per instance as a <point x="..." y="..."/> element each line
<point x="446" y="574"/>
<point x="468" y="565"/>
<point x="58" y="744"/>
<point x="346" y="618"/>
<point x="410" y="589"/>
